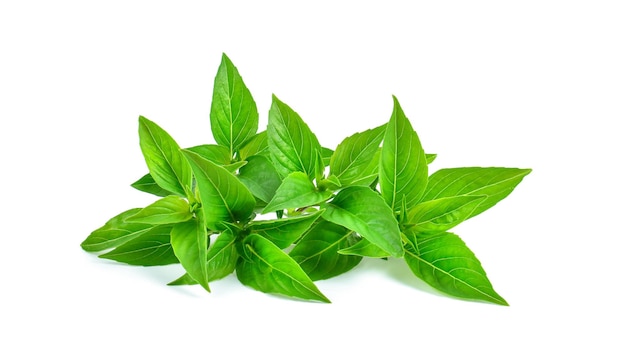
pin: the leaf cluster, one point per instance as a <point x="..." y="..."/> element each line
<point x="370" y="197"/>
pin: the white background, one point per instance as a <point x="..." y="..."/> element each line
<point x="532" y="84"/>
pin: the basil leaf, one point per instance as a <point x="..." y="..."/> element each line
<point x="327" y="153"/>
<point x="296" y="191"/>
<point x="494" y="182"/>
<point x="316" y="251"/>
<point x="362" y="210"/>
<point x="190" y="242"/>
<point x="292" y="145"/>
<point x="185" y="279"/>
<point x="268" y="269"/>
<point x="167" y="166"/>
<point x="234" y="116"/>
<point x="447" y="264"/>
<point x="148" y="249"/>
<point x="403" y="170"/>
<point x="369" y="173"/>
<point x="354" y="154"/>
<point x="283" y="232"/>
<point x="217" y="154"/>
<point x="168" y="210"/>
<point x="260" y="177"/>
<point x="255" y="145"/>
<point x="115" y="232"/>
<point x="222" y="256"/>
<point x="331" y="183"/>
<point x="147" y="184"/>
<point x="442" y="214"/>
<point x="223" y="197"/>
<point x="364" y="248"/>
<point x="221" y="260"/>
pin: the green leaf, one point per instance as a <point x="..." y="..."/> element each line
<point x="327" y="153"/>
<point x="296" y="191"/>
<point x="219" y="155"/>
<point x="316" y="251"/>
<point x="221" y="260"/>
<point x="364" y="248"/>
<point x="255" y="145"/>
<point x="403" y="169"/>
<point x="494" y="182"/>
<point x="268" y="269"/>
<point x="362" y="210"/>
<point x="331" y="183"/>
<point x="147" y="184"/>
<point x="224" y="198"/>
<point x="292" y="145"/>
<point x="185" y="279"/>
<point x="222" y="256"/>
<point x="354" y="154"/>
<point x="115" y="232"/>
<point x="447" y="264"/>
<point x="442" y="214"/>
<point x="260" y="177"/>
<point x="167" y="165"/>
<point x="430" y="157"/>
<point x="234" y="116"/>
<point x="148" y="249"/>
<point x="190" y="242"/>
<point x="168" y="210"/>
<point x="370" y="172"/>
<point x="283" y="232"/>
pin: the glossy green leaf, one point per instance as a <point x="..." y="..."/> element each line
<point x="364" y="248"/>
<point x="447" y="264"/>
<point x="260" y="177"/>
<point x="403" y="169"/>
<point x="316" y="251"/>
<point x="363" y="210"/>
<point x="148" y="249"/>
<point x="168" y="210"/>
<point x="224" y="198"/>
<point x="296" y="191"/>
<point x="167" y="165"/>
<point x="494" y="182"/>
<point x="430" y="157"/>
<point x="283" y="232"/>
<point x="234" y="116"/>
<point x="147" y="184"/>
<point x="292" y="145"/>
<point x="268" y="269"/>
<point x="115" y="232"/>
<point x="190" y="242"/>
<point x="222" y="256"/>
<point x="255" y="145"/>
<point x="354" y="154"/>
<point x="442" y="214"/>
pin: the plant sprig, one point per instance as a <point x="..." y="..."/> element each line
<point x="372" y="197"/>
